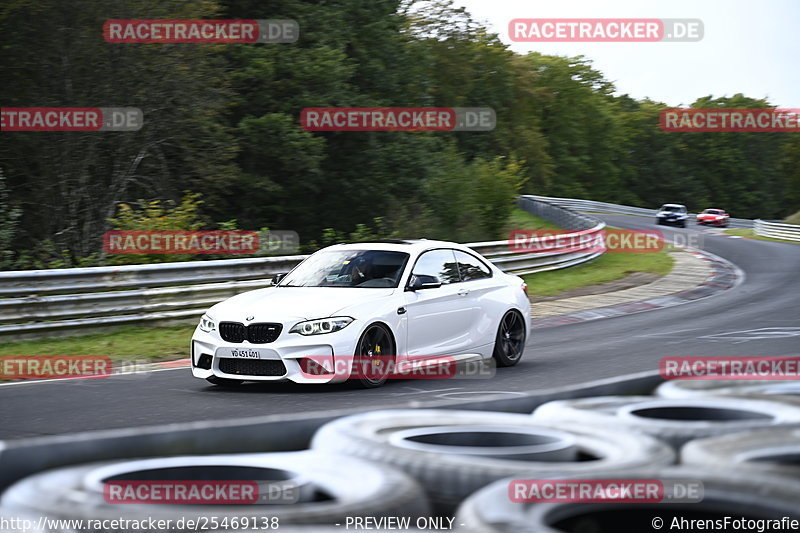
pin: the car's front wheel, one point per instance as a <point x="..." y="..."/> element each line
<point x="374" y="358"/>
<point x="224" y="382"/>
<point x="510" y="341"/>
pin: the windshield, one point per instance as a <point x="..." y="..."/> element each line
<point x="348" y="268"/>
<point x="673" y="208"/>
<point x="712" y="212"/>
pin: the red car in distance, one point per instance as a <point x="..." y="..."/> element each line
<point x="716" y="217"/>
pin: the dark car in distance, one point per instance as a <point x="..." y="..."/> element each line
<point x="672" y="215"/>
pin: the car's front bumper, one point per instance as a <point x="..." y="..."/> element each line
<point x="672" y="220"/>
<point x="279" y="360"/>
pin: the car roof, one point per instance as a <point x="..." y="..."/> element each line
<point x="413" y="246"/>
<point x="673" y="205"/>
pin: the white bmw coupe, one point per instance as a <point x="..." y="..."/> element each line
<point x="408" y="301"/>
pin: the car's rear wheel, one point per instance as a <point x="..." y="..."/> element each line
<point x="510" y="341"/>
<point x="375" y="357"/>
<point x="224" y="382"/>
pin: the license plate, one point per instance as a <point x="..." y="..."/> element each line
<point x="244" y="353"/>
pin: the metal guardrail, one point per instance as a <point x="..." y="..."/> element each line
<point x="776" y="230"/>
<point x="58" y="302"/>
<point x="81" y="280"/>
<point x="590" y="206"/>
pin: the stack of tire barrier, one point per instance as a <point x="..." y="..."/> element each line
<point x="454" y="453"/>
<point x="327" y="489"/>
<point x="773" y="451"/>
<point x="741" y="440"/>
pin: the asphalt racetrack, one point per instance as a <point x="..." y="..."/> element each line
<point x="759" y="317"/>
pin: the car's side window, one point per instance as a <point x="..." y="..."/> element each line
<point x="471" y="267"/>
<point x="439" y="263"/>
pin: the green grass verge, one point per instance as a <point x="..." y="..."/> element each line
<point x="607" y="267"/>
<point x="793" y="219"/>
<point x="523" y="220"/>
<point x="751" y="234"/>
<point x="127" y="344"/>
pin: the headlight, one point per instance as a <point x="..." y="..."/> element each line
<point x="206" y="324"/>
<point x="321" y="325"/>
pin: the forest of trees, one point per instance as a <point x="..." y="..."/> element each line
<point x="222" y="128"/>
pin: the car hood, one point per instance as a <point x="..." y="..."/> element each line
<point x="281" y="304"/>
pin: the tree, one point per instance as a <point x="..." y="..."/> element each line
<point x="68" y="184"/>
<point x="9" y="220"/>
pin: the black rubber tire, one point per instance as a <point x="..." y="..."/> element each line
<point x="224" y="382"/>
<point x="367" y="382"/>
<point x="449" y="473"/>
<point x="692" y="388"/>
<point x="786" y="391"/>
<point x="355" y="488"/>
<point x="502" y="358"/>
<point x="490" y="510"/>
<point x="674" y="421"/>
<point x="774" y="451"/>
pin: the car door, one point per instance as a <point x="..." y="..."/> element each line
<point x="438" y="318"/>
<point x="478" y="289"/>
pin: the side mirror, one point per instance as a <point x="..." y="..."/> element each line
<point x="277" y="278"/>
<point x="421" y="281"/>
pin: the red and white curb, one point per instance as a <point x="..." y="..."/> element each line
<point x="724" y="275"/>
<point x="120" y="368"/>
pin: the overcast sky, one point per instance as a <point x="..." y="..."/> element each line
<point x="749" y="47"/>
